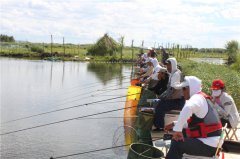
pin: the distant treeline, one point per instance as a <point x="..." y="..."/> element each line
<point x="6" y="38"/>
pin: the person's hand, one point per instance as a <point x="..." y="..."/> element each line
<point x="178" y="136"/>
<point x="168" y="127"/>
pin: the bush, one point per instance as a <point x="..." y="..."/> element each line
<point x="104" y="46"/>
<point x="37" y="49"/>
<point x="232" y="48"/>
<point x="236" y="65"/>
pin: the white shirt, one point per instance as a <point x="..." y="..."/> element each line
<point x="197" y="105"/>
<point x="175" y="79"/>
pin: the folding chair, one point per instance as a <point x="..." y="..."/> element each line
<point x="231" y="133"/>
<point x="218" y="154"/>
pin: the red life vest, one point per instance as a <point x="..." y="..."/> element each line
<point x="208" y="126"/>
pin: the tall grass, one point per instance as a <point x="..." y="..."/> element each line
<point x="208" y="72"/>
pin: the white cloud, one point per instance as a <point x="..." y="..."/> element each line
<point x="200" y="23"/>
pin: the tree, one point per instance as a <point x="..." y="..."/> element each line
<point x="232" y="48"/>
<point x="104" y="46"/>
<point x="5" y="38"/>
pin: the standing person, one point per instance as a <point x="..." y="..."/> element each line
<point x="225" y="104"/>
<point x="172" y="98"/>
<point x="198" y="129"/>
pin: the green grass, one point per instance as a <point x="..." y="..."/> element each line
<point x="23" y="49"/>
<point x="208" y="72"/>
<point x="73" y="52"/>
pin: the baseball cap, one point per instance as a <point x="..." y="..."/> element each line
<point x="217" y="84"/>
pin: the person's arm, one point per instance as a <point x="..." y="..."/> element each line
<point x="166" y="93"/>
<point x="228" y="105"/>
<point x="221" y="112"/>
<point x="185" y="114"/>
<point x="175" y="80"/>
<point x="148" y="73"/>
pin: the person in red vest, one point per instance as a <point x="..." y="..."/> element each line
<point x="198" y="128"/>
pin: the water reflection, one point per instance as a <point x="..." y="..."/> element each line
<point x="106" y="72"/>
<point x="32" y="87"/>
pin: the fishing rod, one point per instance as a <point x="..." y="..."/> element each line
<point x="82" y="88"/>
<point x="97" y="150"/>
<point x="112" y="102"/>
<point x="113" y="117"/>
<point x="61" y="109"/>
<point x="83" y="96"/>
<point x="66" y="120"/>
<point x="76" y="88"/>
<point x="87" y="152"/>
<point x="95" y="84"/>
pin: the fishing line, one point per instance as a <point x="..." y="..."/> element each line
<point x="109" y="117"/>
<point x="114" y="89"/>
<point x="62" y="121"/>
<point x="61" y="109"/>
<point x="97" y="150"/>
<point x="73" y="89"/>
<point x="107" y="95"/>
<point x="83" y="95"/>
<point x="112" y="102"/>
<point x="87" y="152"/>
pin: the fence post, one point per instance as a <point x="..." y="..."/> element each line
<point x="63" y="47"/>
<point x="132" y="50"/>
<point x="122" y="38"/>
<point x="51" y="43"/>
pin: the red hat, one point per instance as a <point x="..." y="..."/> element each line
<point x="217" y="84"/>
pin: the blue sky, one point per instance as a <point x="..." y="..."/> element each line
<point x="199" y="23"/>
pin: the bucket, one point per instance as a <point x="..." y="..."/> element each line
<point x="134" y="93"/>
<point x="144" y="136"/>
<point x="134" y="82"/>
<point x="144" y="120"/>
<point x="143" y="151"/>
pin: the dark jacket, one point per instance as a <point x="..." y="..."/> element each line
<point x="161" y="86"/>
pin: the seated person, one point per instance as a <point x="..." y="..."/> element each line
<point x="196" y="116"/>
<point x="149" y="70"/>
<point x="154" y="76"/>
<point x="162" y="83"/>
<point x="224" y="104"/>
<point x="172" y="98"/>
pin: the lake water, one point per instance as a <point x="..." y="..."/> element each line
<point x="217" y="61"/>
<point x="31" y="87"/>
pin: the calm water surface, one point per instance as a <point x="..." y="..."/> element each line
<point x="217" y="61"/>
<point x="32" y="87"/>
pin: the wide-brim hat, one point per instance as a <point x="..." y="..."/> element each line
<point x="162" y="69"/>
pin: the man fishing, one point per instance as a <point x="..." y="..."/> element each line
<point x="198" y="128"/>
<point x="172" y="98"/>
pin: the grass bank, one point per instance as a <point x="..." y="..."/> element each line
<point x="208" y="72"/>
<point x="69" y="52"/>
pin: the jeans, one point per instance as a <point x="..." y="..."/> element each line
<point x="190" y="146"/>
<point x="165" y="106"/>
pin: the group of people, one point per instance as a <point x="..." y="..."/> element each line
<point x="201" y="118"/>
